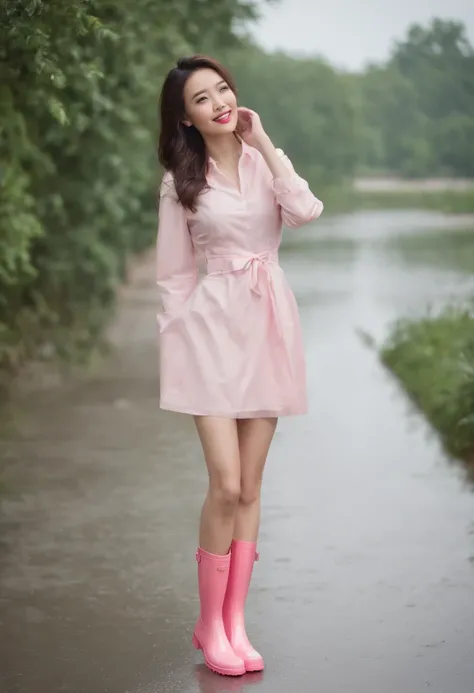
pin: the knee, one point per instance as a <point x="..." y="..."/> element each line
<point x="249" y="494"/>
<point x="226" y="495"/>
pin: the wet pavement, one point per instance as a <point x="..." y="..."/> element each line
<point x="366" y="577"/>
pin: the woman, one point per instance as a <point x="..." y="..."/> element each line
<point x="231" y="352"/>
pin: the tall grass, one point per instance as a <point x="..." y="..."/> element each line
<point x="433" y="358"/>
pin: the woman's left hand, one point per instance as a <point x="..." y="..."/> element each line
<point x="249" y="127"/>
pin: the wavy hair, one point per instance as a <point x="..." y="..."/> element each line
<point x="181" y="149"/>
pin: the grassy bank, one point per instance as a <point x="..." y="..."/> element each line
<point x="433" y="358"/>
<point x="346" y="198"/>
<point x="450" y="201"/>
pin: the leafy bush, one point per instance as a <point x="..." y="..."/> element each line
<point x="434" y="360"/>
<point x="79" y="85"/>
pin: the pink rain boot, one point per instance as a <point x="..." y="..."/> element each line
<point x="209" y="633"/>
<point x="243" y="555"/>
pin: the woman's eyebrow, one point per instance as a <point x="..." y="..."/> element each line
<point x="222" y="81"/>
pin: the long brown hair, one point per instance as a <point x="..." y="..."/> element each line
<point x="181" y="149"/>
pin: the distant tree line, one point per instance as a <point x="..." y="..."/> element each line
<point x="412" y="115"/>
<point x="417" y="110"/>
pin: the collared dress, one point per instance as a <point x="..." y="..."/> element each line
<point x="230" y="339"/>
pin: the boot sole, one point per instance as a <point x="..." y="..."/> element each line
<point x="218" y="670"/>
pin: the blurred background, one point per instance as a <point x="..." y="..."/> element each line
<point x="358" y="95"/>
<point x="100" y="491"/>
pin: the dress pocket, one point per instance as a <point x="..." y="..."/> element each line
<point x="166" y="319"/>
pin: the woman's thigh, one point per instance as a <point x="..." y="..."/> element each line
<point x="255" y="437"/>
<point x="220" y="444"/>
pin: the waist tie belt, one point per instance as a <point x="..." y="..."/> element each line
<point x="250" y="263"/>
<point x="254" y="264"/>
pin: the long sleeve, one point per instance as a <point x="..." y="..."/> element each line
<point x="297" y="203"/>
<point x="176" y="266"/>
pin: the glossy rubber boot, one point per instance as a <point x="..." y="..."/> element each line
<point x="243" y="556"/>
<point x="209" y="633"/>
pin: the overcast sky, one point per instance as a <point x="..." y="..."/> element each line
<point x="351" y="32"/>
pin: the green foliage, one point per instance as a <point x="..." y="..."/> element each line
<point x="434" y="360"/>
<point x="417" y="111"/>
<point x="453" y="142"/>
<point x="79" y="86"/>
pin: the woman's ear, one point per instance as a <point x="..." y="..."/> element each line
<point x="187" y="123"/>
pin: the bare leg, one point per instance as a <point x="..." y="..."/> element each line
<point x="220" y="444"/>
<point x="255" y="437"/>
<point x="221" y="451"/>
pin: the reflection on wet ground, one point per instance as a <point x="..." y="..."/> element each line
<point x="366" y="577"/>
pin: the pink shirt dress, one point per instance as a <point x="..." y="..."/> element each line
<point x="230" y="337"/>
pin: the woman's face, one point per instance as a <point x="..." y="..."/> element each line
<point x="210" y="104"/>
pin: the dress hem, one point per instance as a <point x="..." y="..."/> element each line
<point x="249" y="414"/>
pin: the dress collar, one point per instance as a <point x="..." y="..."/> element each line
<point x="245" y="154"/>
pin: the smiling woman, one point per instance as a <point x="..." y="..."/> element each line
<point x="231" y="348"/>
<point x="195" y="95"/>
<point x="200" y="105"/>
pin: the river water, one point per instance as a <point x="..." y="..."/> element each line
<point x="366" y="577"/>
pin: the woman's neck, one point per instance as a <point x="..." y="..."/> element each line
<point x="225" y="150"/>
